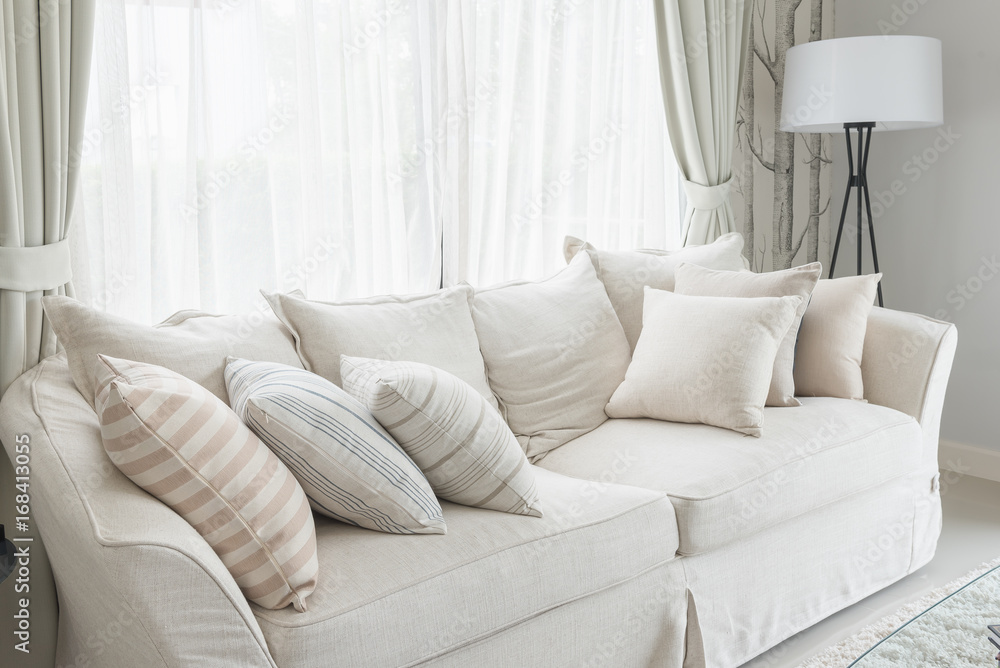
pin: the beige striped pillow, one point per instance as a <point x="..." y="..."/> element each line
<point x="459" y="441"/>
<point x="180" y="443"/>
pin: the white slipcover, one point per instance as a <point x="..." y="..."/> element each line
<point x="726" y="486"/>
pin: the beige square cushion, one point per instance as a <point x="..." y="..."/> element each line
<point x="180" y="443"/>
<point x="832" y="338"/>
<point x="191" y="343"/>
<point x="433" y="328"/>
<point x="798" y="281"/>
<point x="554" y="352"/>
<point x="450" y="431"/>
<point x="726" y="487"/>
<point x="626" y="273"/>
<point x="704" y="359"/>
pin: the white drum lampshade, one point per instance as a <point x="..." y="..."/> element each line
<point x="893" y="81"/>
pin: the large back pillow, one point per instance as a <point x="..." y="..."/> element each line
<point x="626" y="273"/>
<point x="191" y="343"/>
<point x="433" y="329"/>
<point x="555" y="352"/>
<point x="798" y="281"/>
<point x="832" y="338"/>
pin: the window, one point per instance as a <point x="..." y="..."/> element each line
<point x="356" y="147"/>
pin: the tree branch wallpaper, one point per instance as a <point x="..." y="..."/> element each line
<point x="784" y="225"/>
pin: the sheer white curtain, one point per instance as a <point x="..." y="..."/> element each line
<point x="342" y="146"/>
<point x="235" y="144"/>
<point x="555" y="126"/>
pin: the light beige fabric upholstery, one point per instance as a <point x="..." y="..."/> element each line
<point x="554" y="353"/>
<point x="798" y="281"/>
<point x="434" y="329"/>
<point x="120" y="555"/>
<point x="490" y="571"/>
<point x="702" y="46"/>
<point x="459" y="441"/>
<point x="183" y="445"/>
<point x="191" y="343"/>
<point x="752" y="594"/>
<point x="626" y="273"/>
<point x="643" y="623"/>
<point x="725" y="486"/>
<point x="906" y="364"/>
<point x="704" y="359"/>
<point x="832" y="338"/>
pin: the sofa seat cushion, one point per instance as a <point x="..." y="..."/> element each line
<point x="394" y="600"/>
<point x="725" y="486"/>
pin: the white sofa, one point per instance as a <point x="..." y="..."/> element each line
<point x="662" y="544"/>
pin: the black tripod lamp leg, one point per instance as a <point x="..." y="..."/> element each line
<point x="871" y="233"/>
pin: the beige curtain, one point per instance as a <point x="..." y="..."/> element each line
<point x="702" y="50"/>
<point x="43" y="92"/>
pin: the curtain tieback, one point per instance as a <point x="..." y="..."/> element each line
<point x="706" y="197"/>
<point x="35" y="268"/>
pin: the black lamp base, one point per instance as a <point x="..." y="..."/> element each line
<point x="858" y="179"/>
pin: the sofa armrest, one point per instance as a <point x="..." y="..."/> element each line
<point x="136" y="583"/>
<point x="906" y="364"/>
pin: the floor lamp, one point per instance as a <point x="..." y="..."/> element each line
<point x="862" y="85"/>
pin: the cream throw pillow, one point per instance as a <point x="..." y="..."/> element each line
<point x="434" y="328"/>
<point x="192" y="343"/>
<point x="183" y="445"/>
<point x="832" y="338"/>
<point x="626" y="273"/>
<point x="704" y="359"/>
<point x="452" y="433"/>
<point x="554" y="353"/>
<point x="798" y="281"/>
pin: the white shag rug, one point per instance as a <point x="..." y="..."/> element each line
<point x="952" y="636"/>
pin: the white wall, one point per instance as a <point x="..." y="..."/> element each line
<point x="939" y="242"/>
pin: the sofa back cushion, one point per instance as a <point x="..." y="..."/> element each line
<point x="180" y="443"/>
<point x="554" y="351"/>
<point x="350" y="467"/>
<point x="433" y="328"/>
<point x="832" y="338"/>
<point x="798" y="281"/>
<point x="191" y="343"/>
<point x="626" y="273"/>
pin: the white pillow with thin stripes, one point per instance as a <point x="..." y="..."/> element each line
<point x="183" y="445"/>
<point x="461" y="443"/>
<point x="350" y="468"/>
